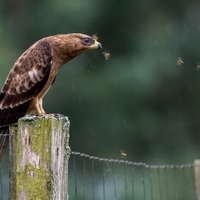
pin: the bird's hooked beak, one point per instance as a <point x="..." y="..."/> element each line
<point x="96" y="45"/>
<point x="99" y="45"/>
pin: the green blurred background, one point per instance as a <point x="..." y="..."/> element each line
<point x="139" y="101"/>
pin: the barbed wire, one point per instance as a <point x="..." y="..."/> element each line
<point x="141" y="164"/>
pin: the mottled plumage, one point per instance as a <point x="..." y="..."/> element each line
<point x="33" y="74"/>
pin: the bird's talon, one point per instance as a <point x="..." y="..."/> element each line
<point x="57" y="115"/>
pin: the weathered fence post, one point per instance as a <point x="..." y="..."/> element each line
<point x="39" y="154"/>
<point x="197" y="177"/>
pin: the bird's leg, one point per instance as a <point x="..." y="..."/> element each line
<point x="36" y="108"/>
<point x="40" y="102"/>
<point x="42" y="112"/>
<point x="39" y="108"/>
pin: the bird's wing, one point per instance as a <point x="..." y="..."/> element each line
<point x="26" y="79"/>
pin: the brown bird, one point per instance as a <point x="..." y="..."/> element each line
<point x="33" y="74"/>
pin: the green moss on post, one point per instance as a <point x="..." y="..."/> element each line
<point x="39" y="154"/>
<point x="197" y="177"/>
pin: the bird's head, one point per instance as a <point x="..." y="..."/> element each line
<point x="89" y="43"/>
<point x="75" y="44"/>
<point x="80" y="42"/>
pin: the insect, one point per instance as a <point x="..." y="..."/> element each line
<point x="179" y="61"/>
<point x="95" y="36"/>
<point x="123" y="154"/>
<point x="198" y="66"/>
<point x="106" y="55"/>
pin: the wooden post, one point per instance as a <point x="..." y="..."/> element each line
<point x="197" y="177"/>
<point x="39" y="154"/>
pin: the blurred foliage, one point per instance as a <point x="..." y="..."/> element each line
<point x="140" y="100"/>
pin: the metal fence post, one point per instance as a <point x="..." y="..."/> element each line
<point x="197" y="177"/>
<point x="39" y="154"/>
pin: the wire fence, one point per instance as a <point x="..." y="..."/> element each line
<point x="94" y="178"/>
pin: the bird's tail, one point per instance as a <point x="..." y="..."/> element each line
<point x="4" y="139"/>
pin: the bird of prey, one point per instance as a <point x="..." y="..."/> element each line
<point x="33" y="74"/>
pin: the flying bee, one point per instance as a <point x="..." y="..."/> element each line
<point x="179" y="61"/>
<point x="123" y="154"/>
<point x="106" y="55"/>
<point x="95" y="37"/>
<point x="198" y="67"/>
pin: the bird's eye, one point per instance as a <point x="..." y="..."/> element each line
<point x="86" y="40"/>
